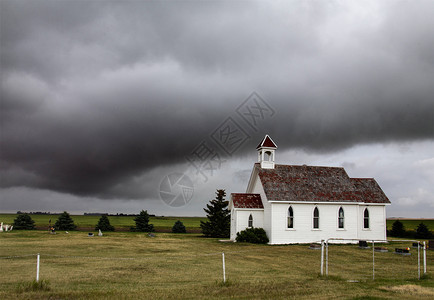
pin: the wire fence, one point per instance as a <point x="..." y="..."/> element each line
<point x="393" y="259"/>
<point x="161" y="269"/>
<point x="45" y="265"/>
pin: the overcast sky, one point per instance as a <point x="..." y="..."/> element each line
<point x="104" y="104"/>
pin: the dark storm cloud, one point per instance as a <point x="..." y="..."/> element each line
<point x="95" y="94"/>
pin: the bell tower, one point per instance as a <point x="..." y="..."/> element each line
<point x="266" y="152"/>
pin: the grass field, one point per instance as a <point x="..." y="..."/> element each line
<point x="129" y="265"/>
<point x="165" y="223"/>
<point x="119" y="222"/>
<point x="411" y="224"/>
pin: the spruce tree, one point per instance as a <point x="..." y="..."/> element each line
<point x="422" y="232"/>
<point x="24" y="221"/>
<point x="218" y="224"/>
<point x="104" y="224"/>
<point x="398" y="229"/>
<point x="65" y="222"/>
<point x="178" y="227"/>
<point x="142" y="222"/>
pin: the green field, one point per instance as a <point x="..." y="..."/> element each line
<point x="411" y="224"/>
<point x="165" y="223"/>
<point x="129" y="265"/>
<point x="121" y="223"/>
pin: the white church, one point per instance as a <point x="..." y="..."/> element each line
<point x="306" y="204"/>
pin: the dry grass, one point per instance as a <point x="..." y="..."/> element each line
<point x="125" y="265"/>
<point x="409" y="290"/>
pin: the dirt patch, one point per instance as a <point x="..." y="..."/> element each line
<point x="410" y="289"/>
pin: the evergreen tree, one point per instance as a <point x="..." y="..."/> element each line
<point x="398" y="229"/>
<point x="422" y="232"/>
<point x="65" y="222"/>
<point x="24" y="221"/>
<point x="178" y="227"/>
<point x="218" y="224"/>
<point x="142" y="222"/>
<point x="104" y="224"/>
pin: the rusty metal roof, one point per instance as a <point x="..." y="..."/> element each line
<point x="246" y="200"/>
<point x="318" y="184"/>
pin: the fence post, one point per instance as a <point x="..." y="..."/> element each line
<point x="418" y="260"/>
<point x="424" y="257"/>
<point x="37" y="267"/>
<point x="224" y="269"/>
<point x="322" y="257"/>
<point x="373" y="260"/>
<point x="327" y="258"/>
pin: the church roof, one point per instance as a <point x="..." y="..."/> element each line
<point x="318" y="184"/>
<point x="246" y="200"/>
<point x="267" y="142"/>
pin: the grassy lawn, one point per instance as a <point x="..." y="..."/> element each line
<point x="128" y="265"/>
<point x="119" y="222"/>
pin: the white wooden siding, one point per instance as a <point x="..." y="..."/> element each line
<point x="303" y="231"/>
<point x="273" y="218"/>
<point x="241" y="220"/>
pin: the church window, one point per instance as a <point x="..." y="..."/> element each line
<point x="366" y="218"/>
<point x="316" y="218"/>
<point x="341" y="218"/>
<point x="290" y="217"/>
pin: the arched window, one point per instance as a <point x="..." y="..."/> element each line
<point x="250" y="221"/>
<point x="316" y="218"/>
<point x="290" y="217"/>
<point x="341" y="217"/>
<point x="366" y="218"/>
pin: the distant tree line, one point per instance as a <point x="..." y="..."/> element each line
<point x="86" y="213"/>
<point x="36" y="213"/>
<point x="65" y="222"/>
<point x="116" y="214"/>
<point x="398" y="230"/>
<point x="127" y="215"/>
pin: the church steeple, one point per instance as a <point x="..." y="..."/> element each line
<point x="266" y="150"/>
